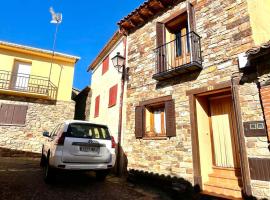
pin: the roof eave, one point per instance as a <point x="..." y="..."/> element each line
<point x="143" y="14"/>
<point x="108" y="46"/>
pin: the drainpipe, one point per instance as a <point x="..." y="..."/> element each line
<point x="242" y="151"/>
<point x="123" y="77"/>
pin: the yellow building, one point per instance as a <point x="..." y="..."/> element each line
<point x="35" y="94"/>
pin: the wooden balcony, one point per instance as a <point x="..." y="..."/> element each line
<point x="179" y="56"/>
<point x="27" y="85"/>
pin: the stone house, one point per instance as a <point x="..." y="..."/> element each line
<point x="191" y="112"/>
<point x="35" y="95"/>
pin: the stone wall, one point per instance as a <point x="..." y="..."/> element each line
<point x="225" y="30"/>
<point x="42" y="115"/>
<point x="251" y="110"/>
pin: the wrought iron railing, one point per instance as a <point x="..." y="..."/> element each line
<point x="183" y="50"/>
<point x="27" y="83"/>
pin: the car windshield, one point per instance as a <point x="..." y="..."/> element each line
<point x="88" y="131"/>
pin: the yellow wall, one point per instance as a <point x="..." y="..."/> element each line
<point x="41" y="67"/>
<point x="259" y="11"/>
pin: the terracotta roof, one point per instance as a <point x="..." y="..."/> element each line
<point x="144" y="13"/>
<point x="115" y="38"/>
<point x="259" y="49"/>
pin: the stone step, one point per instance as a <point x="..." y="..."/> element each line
<point x="226" y="182"/>
<point x="226" y="173"/>
<point x="222" y="192"/>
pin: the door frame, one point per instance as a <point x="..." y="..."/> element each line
<point x="210" y="89"/>
<point x="14" y="71"/>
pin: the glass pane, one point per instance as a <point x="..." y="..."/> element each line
<point x="178" y="44"/>
<point x="157" y="121"/>
<point x="88" y="131"/>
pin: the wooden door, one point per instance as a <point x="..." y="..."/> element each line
<point x="223" y="132"/>
<point x="181" y="48"/>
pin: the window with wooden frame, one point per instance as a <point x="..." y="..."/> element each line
<point x="112" y="96"/>
<point x="105" y="65"/>
<point x="174" y="37"/>
<point x="97" y="102"/>
<point x="13" y="114"/>
<point x="155" y="118"/>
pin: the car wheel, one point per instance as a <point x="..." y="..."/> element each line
<point x="101" y="174"/>
<point x="48" y="172"/>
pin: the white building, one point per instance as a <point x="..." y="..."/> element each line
<point x="106" y="86"/>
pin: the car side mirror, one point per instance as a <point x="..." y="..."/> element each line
<point x="46" y="134"/>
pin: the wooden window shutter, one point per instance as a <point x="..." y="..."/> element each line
<point x="160" y="28"/>
<point x="105" y="65"/>
<point x="139" y="121"/>
<point x="191" y="17"/>
<point x="12" y="114"/>
<point x="191" y="28"/>
<point x="4" y="111"/>
<point x="160" y="37"/>
<point x="170" y="118"/>
<point x="112" y="96"/>
<point x="97" y="101"/>
<point x="20" y="112"/>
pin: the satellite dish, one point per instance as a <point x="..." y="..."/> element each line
<point x="56" y="17"/>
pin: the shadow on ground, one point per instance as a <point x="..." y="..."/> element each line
<point x="22" y="178"/>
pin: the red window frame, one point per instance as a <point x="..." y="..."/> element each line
<point x="113" y="95"/>
<point x="105" y="65"/>
<point x="97" y="101"/>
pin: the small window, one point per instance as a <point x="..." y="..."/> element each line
<point x="13" y="114"/>
<point x="112" y="96"/>
<point x="156" y="119"/>
<point x="97" y="101"/>
<point x="105" y="65"/>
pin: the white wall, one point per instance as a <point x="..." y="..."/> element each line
<point x="101" y="85"/>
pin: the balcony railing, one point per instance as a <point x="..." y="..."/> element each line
<point x="28" y="84"/>
<point x="178" y="56"/>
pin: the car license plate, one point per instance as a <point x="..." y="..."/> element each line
<point x="89" y="149"/>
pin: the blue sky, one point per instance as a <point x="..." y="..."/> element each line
<point x="87" y="25"/>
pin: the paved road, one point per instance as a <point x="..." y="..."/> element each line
<point x="21" y="178"/>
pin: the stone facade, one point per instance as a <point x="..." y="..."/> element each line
<point x="42" y="115"/>
<point x="226" y="32"/>
<point x="252" y="109"/>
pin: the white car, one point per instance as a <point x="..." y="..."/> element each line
<point x="78" y="145"/>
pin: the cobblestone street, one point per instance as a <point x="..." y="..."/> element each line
<point x="22" y="178"/>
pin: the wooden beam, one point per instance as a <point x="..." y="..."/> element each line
<point x="156" y="5"/>
<point x="131" y="23"/>
<point x="146" y="10"/>
<point x="142" y="15"/>
<point x="137" y="19"/>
